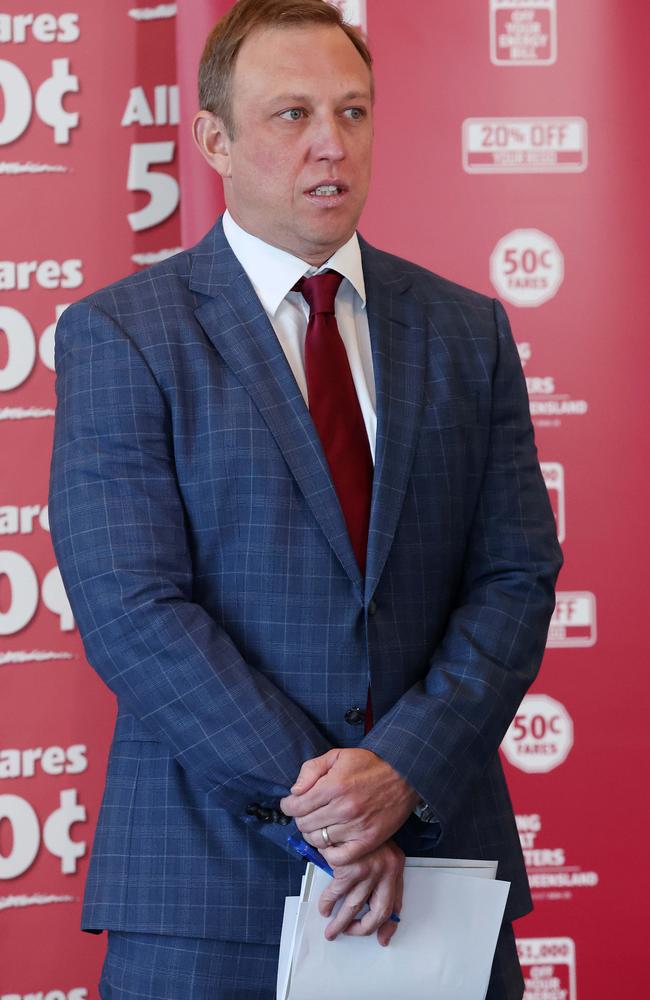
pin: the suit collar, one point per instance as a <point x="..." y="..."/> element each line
<point x="272" y="272"/>
<point x="213" y="265"/>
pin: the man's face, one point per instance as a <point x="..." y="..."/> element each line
<point x="299" y="164"/>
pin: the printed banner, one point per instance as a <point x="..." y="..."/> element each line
<point x="509" y="151"/>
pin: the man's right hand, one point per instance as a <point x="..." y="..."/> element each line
<point x="378" y="879"/>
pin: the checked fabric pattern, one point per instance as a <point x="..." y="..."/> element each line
<point x="211" y="575"/>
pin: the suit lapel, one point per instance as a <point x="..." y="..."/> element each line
<point x="236" y="324"/>
<point x="398" y="342"/>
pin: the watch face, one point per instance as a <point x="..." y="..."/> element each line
<point x="423" y="812"/>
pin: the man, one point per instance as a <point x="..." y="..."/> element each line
<point x="305" y="536"/>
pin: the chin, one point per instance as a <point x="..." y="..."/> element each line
<point x="334" y="233"/>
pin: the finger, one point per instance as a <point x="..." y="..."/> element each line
<point x="350" y="907"/>
<point x="344" y="882"/>
<point x="348" y="852"/>
<point x="319" y="795"/>
<point x="336" y="889"/>
<point x="333" y="817"/>
<point x="337" y="810"/>
<point x="381" y="903"/>
<point x="369" y="923"/>
<point x="312" y="770"/>
<point x="387" y="930"/>
<point x="315" y="837"/>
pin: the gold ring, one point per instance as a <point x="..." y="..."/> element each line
<point x="325" y="835"/>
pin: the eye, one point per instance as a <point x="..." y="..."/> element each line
<point x="355" y="114"/>
<point x="293" y="114"/>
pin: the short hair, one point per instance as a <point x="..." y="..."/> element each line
<point x="224" y="41"/>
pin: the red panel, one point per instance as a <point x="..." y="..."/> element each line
<point x="536" y="198"/>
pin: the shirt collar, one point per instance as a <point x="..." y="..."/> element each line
<point x="274" y="272"/>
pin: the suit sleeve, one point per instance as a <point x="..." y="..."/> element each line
<point x="444" y="730"/>
<point x="120" y="538"/>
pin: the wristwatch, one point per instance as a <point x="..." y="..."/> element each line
<point x="424" y="812"/>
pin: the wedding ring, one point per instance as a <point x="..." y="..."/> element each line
<point x="325" y="835"/>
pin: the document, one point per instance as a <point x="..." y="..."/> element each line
<point x="443" y="947"/>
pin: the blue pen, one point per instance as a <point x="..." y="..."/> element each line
<point x="311" y="854"/>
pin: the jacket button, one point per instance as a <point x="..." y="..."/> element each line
<point x="354" y="716"/>
<point x="267" y="814"/>
<point x="372" y="608"/>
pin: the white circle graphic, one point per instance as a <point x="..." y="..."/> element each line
<point x="540" y="736"/>
<point x="527" y="267"/>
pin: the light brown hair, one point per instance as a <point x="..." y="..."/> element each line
<point x="224" y="41"/>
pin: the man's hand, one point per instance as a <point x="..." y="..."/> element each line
<point x="360" y="798"/>
<point x="377" y="879"/>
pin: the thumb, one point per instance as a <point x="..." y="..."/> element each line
<point x="312" y="770"/>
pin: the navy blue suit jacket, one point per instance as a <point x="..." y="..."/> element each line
<point x="207" y="562"/>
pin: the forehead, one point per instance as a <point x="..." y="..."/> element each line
<point x="312" y="58"/>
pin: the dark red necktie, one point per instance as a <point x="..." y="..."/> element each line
<point x="335" y="410"/>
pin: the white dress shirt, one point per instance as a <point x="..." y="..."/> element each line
<point x="274" y="272"/>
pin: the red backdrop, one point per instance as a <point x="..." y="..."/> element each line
<point x="509" y="149"/>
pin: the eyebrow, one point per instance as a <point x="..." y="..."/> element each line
<point x="352" y="95"/>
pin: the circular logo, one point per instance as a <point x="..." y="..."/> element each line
<point x="527" y="267"/>
<point x="540" y="736"/>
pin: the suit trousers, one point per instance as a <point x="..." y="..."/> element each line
<point x="161" y="967"/>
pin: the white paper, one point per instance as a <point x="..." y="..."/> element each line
<point x="443" y="948"/>
<point x="289" y="925"/>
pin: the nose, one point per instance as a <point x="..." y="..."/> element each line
<point x="327" y="140"/>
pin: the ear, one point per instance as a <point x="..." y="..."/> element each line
<point x="212" y="140"/>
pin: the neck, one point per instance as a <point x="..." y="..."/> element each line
<point x="314" y="257"/>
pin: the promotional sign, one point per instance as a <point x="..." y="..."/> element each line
<point x="549" y="967"/>
<point x="524" y="145"/>
<point x="541" y="735"/>
<point x="527" y="267"/>
<point x="523" y="32"/>
<point x="549" y="407"/>
<point x="553" y="873"/>
<point x="89" y="189"/>
<point x="574" y="621"/>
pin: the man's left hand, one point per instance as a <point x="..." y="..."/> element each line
<point x="360" y="798"/>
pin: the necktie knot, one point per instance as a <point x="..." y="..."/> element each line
<point x="320" y="291"/>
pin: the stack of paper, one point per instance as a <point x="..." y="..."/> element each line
<point x="443" y="947"/>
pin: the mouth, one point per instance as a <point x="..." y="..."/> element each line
<point x="328" y="193"/>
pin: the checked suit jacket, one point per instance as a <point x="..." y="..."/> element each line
<point x="209" y="569"/>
